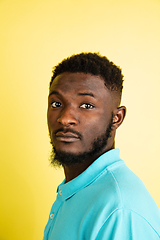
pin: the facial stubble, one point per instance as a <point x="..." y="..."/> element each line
<point x="60" y="158"/>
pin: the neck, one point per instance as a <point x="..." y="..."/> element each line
<point x="73" y="171"/>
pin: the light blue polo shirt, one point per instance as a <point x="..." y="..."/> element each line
<point x="106" y="202"/>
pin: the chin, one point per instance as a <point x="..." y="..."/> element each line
<point x="68" y="148"/>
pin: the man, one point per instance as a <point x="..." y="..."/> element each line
<point x="100" y="198"/>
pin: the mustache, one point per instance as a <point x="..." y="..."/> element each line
<point x="65" y="130"/>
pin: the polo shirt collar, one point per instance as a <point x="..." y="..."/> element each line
<point x="67" y="190"/>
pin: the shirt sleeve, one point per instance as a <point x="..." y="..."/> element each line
<point x="126" y="224"/>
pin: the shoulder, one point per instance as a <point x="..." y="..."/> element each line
<point x="132" y="202"/>
<point x="127" y="224"/>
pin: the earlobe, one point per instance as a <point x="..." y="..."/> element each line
<point x="118" y="117"/>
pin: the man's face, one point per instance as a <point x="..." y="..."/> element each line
<point x="80" y="110"/>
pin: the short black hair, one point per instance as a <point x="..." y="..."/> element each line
<point x="95" y="64"/>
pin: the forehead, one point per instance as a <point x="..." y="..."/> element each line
<point x="77" y="82"/>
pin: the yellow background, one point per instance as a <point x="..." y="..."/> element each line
<point x="36" y="35"/>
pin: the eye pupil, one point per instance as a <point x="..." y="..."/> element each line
<point x="58" y="104"/>
<point x="88" y="105"/>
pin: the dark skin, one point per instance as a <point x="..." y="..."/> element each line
<point x="81" y="103"/>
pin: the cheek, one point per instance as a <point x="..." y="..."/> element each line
<point x="51" y="122"/>
<point x="51" y="117"/>
<point x="96" y="125"/>
<point x="48" y="118"/>
<point x="94" y="128"/>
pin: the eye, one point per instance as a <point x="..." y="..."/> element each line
<point x="56" y="104"/>
<point x="87" y="106"/>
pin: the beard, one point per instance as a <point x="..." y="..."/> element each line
<point x="60" y="158"/>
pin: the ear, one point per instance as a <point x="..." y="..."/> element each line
<point x="118" y="117"/>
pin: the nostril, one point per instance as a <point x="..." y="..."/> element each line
<point x="72" y="123"/>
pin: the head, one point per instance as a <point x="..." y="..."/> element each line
<point x="84" y="108"/>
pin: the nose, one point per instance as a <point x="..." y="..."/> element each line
<point x="68" y="117"/>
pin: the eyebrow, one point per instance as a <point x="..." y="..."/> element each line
<point x="86" y="94"/>
<point x="55" y="93"/>
<point x="79" y="94"/>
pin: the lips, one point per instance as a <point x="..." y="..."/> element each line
<point x="67" y="137"/>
